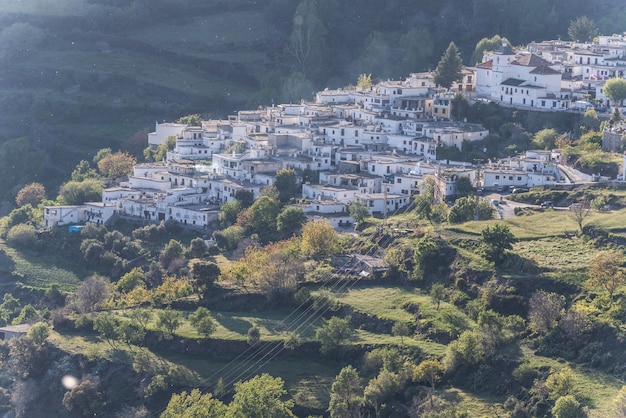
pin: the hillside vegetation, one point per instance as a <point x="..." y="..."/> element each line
<point x="450" y="328"/>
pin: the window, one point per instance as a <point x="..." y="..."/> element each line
<point x="497" y="177"/>
<point x="510" y="177"/>
<point x="519" y="178"/>
<point x="398" y="180"/>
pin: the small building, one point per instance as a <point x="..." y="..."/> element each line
<point x="14" y="331"/>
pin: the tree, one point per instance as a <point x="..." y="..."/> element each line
<point x="364" y="82"/>
<point x="260" y="397"/>
<point x="582" y="29"/>
<point x="606" y="272"/>
<point x="79" y="192"/>
<point x="334" y="333"/>
<point x="174" y="250"/>
<point x="561" y="383"/>
<point x="319" y="239"/>
<point x="261" y="218"/>
<point x="615" y="89"/>
<point x="203" y="322"/>
<point x="229" y="212"/>
<point x="102" y="152"/>
<point x="107" y="328"/>
<point x="358" y="211"/>
<point x="495" y="242"/>
<point x="287" y="185"/>
<point x="449" y="68"/>
<point x="116" y="165"/>
<point x="429" y="371"/>
<point x="92" y="293"/>
<point x="568" y="407"/>
<point x="544" y="311"/>
<point x="141" y="316"/>
<point x="487" y="44"/>
<point x="545" y="139"/>
<point x="84" y="400"/>
<point x="204" y="274"/>
<point x="245" y="197"/>
<point x="254" y="335"/>
<point x="460" y="106"/>
<point x="197" y="247"/>
<point x="84" y="171"/>
<point x="159" y="154"/>
<point x="464" y="186"/>
<point x="437" y="293"/>
<point x="381" y="389"/>
<point x="400" y="329"/>
<point x="579" y="211"/>
<point x="22" y="236"/>
<point x="168" y="320"/>
<point x="190" y="120"/>
<point x="464" y="210"/>
<point x="39" y="333"/>
<point x="31" y="194"/>
<point x="28" y="359"/>
<point x="194" y="405"/>
<point x="346" y="396"/>
<point x="131" y="280"/>
<point x="290" y="221"/>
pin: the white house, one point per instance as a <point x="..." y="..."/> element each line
<point x="164" y="130"/>
<point x="63" y="215"/>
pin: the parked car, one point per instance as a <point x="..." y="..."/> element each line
<point x="546" y="204"/>
<point x="495" y="202"/>
<point x="519" y="190"/>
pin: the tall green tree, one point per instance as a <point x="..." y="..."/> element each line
<point x="261" y="397"/>
<point x="615" y="89"/>
<point x="194" y="405"/>
<point x="582" y="29"/>
<point x="449" y="68"/>
<point x="261" y="218"/>
<point x="287" y="185"/>
<point x="488" y="44"/>
<point x="204" y="274"/>
<point x="545" y="138"/>
<point x="334" y="333"/>
<point x="290" y="221"/>
<point x="203" y="322"/>
<point x="346" y="395"/>
<point x="496" y="241"/>
<point x="168" y="320"/>
<point x="358" y="211"/>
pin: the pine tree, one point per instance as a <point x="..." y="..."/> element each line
<point x="449" y="68"/>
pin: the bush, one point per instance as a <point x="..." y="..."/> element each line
<point x="22" y="236"/>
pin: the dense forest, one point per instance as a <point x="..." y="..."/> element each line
<point x="80" y="75"/>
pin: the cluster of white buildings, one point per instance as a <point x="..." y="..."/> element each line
<point x="551" y="75"/>
<point x="374" y="145"/>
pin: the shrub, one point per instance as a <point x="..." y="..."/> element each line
<point x="22" y="236"/>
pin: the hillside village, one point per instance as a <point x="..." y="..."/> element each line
<point x="376" y="145"/>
